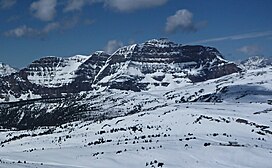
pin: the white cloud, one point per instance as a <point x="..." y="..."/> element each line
<point x="238" y="37"/>
<point x="21" y="31"/>
<point x="70" y="22"/>
<point x="250" y="49"/>
<point x="25" y="31"/>
<point x="112" y="46"/>
<point x="44" y="10"/>
<point x="51" y="27"/>
<point x="6" y="4"/>
<point x="132" y="5"/>
<point x="182" y="20"/>
<point x="74" y="5"/>
<point x="119" y="5"/>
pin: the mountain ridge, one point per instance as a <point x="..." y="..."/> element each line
<point x="135" y="67"/>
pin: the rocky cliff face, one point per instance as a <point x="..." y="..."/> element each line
<point x="151" y="65"/>
<point x="162" y="63"/>
<point x="54" y="72"/>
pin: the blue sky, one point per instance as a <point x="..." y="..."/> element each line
<point x="31" y="29"/>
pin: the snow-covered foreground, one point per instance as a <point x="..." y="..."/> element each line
<point x="175" y="136"/>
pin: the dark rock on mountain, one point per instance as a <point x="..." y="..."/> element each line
<point x="129" y="66"/>
<point x="87" y="72"/>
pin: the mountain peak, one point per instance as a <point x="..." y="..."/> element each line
<point x="161" y="42"/>
<point x="6" y="70"/>
<point x="99" y="52"/>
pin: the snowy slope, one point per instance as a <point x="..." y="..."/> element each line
<point x="249" y="86"/>
<point x="178" y="135"/>
<point x="6" y="70"/>
<point x="54" y="71"/>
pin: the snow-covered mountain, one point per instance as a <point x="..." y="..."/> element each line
<point x="155" y="104"/>
<point x="256" y="62"/>
<point x="54" y="71"/>
<point x="6" y="70"/>
<point x="157" y="63"/>
<point x="52" y="77"/>
<point x="150" y="65"/>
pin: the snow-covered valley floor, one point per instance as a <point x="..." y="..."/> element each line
<point x="219" y="135"/>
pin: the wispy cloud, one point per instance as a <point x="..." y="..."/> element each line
<point x="112" y="46"/>
<point x="250" y="49"/>
<point x="28" y="31"/>
<point x="21" y="31"/>
<point x="6" y="4"/>
<point x="45" y="10"/>
<point x="75" y="5"/>
<point x="182" y="20"/>
<point x="25" y="31"/>
<point x="132" y="5"/>
<point x="118" y="5"/>
<point x="51" y="27"/>
<point x="237" y="37"/>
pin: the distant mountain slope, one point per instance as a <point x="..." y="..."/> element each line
<point x="256" y="62"/>
<point x="6" y="70"/>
